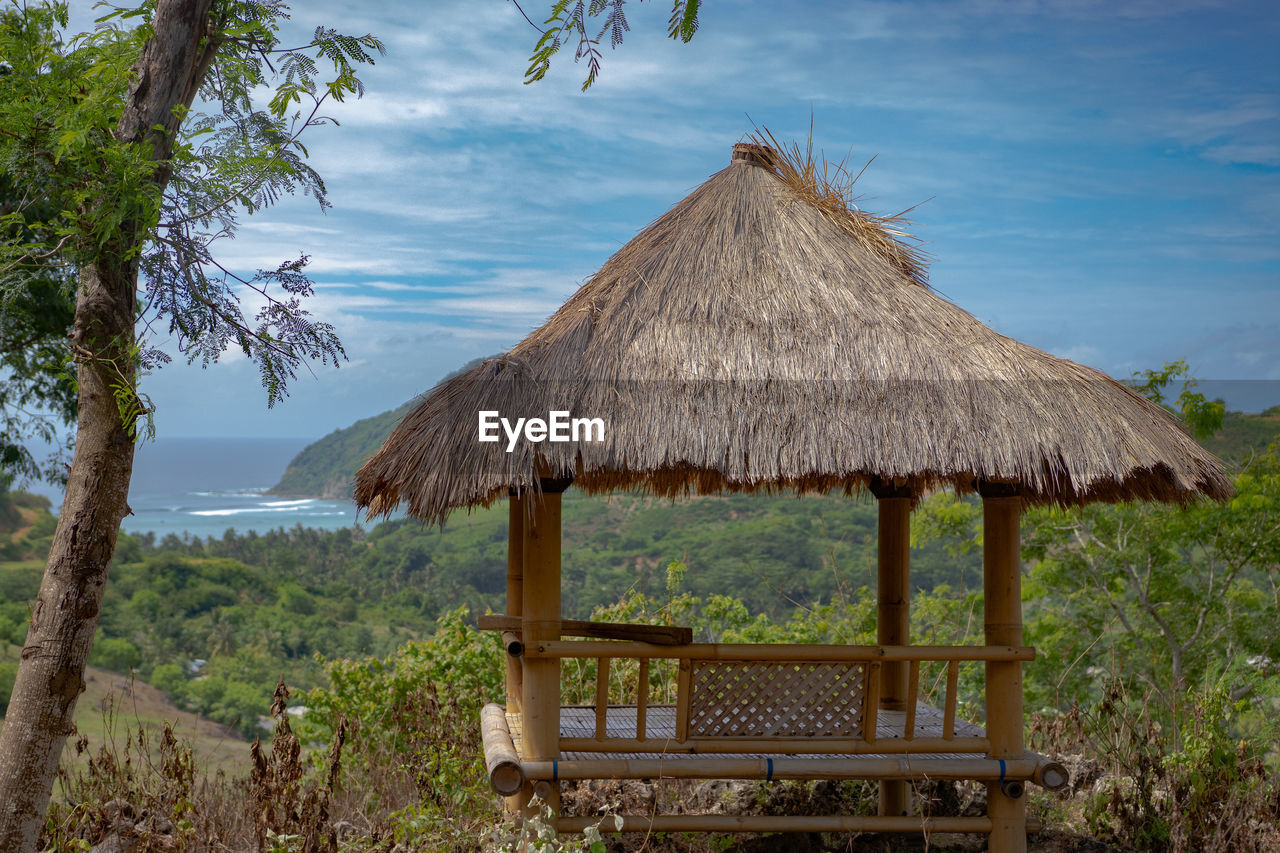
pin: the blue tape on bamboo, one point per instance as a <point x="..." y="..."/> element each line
<point x="1001" y="771"/>
<point x="555" y="770"/>
<point x="769" y="777"/>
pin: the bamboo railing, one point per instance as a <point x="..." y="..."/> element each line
<point x="804" y="718"/>
<point x="784" y="670"/>
<point x="783" y="823"/>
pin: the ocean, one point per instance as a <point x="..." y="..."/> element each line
<point x="206" y="486"/>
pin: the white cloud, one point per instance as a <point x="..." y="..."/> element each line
<point x="1261" y="154"/>
<point x="1104" y="175"/>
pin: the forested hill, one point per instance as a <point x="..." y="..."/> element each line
<point x="327" y="468"/>
<point x="1244" y="436"/>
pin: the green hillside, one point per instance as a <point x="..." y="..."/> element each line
<point x="1245" y="435"/>
<point x="214" y="623"/>
<point x="26" y="526"/>
<point x="327" y="468"/>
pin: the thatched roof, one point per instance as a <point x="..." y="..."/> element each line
<point x="753" y="340"/>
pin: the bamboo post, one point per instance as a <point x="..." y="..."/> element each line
<point x="949" y="700"/>
<point x="602" y="697"/>
<point x="515" y="590"/>
<point x="642" y="700"/>
<point x="500" y="759"/>
<point x="913" y="695"/>
<point x="872" y="698"/>
<point x="893" y="614"/>
<point x="515" y="606"/>
<point x="683" y="688"/>
<point x="540" y="701"/>
<point x="1002" y="591"/>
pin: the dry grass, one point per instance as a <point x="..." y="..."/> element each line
<point x="151" y="794"/>
<point x="831" y="187"/>
<point x="368" y="792"/>
<point x="115" y="706"/>
<point x="766" y="336"/>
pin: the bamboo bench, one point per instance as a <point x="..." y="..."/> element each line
<point x="746" y="711"/>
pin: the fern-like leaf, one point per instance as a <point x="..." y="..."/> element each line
<point x="683" y="22"/>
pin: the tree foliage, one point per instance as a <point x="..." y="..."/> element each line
<point x="575" y="20"/>
<point x="1162" y="597"/>
<point x="37" y="390"/>
<point x="1202" y="417"/>
<point x="1170" y="596"/>
<point x="131" y="151"/>
<point x="75" y="185"/>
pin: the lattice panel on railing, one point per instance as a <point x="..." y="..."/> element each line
<point x="784" y="699"/>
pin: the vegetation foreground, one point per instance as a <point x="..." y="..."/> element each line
<point x="388" y="758"/>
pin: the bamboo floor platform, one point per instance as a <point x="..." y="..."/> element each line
<point x="620" y="722"/>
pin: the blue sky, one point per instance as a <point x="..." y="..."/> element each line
<point x="1102" y="178"/>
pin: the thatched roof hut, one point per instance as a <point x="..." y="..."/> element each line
<point x="757" y="337"/>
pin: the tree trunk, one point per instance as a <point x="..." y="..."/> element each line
<point x="51" y="674"/>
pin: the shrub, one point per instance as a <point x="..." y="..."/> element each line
<point x="170" y="678"/>
<point x="28" y="500"/>
<point x="131" y="796"/>
<point x="8" y="673"/>
<point x="115" y="654"/>
<point x="294" y="599"/>
<point x="125" y="797"/>
<point x="1192" y="785"/>
<point x="11" y="631"/>
<point x="412" y="724"/>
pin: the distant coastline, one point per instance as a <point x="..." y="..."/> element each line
<point x="205" y="486"/>
<point x="326" y="468"/>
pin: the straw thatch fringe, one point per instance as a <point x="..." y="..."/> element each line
<point x="750" y="341"/>
<point x="830" y="188"/>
